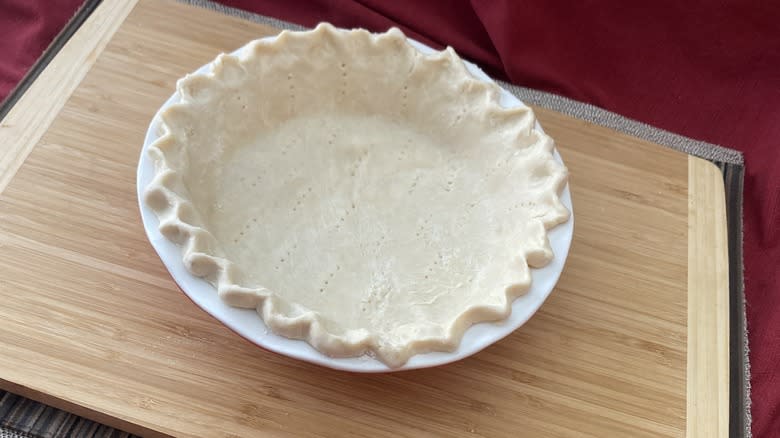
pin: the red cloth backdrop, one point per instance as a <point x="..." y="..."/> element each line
<point x="26" y="29"/>
<point x="705" y="69"/>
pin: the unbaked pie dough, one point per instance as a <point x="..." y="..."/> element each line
<point x="361" y="195"/>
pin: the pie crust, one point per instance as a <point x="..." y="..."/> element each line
<point x="361" y="195"/>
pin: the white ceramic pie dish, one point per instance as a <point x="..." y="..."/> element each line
<point x="248" y="323"/>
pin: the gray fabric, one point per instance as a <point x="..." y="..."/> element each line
<point x="625" y="125"/>
<point x="22" y="417"/>
<point x="240" y="13"/>
<point x="10" y="433"/>
<point x="739" y="348"/>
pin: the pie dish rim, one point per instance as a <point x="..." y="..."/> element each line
<point x="475" y="338"/>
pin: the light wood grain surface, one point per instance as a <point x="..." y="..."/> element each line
<point x="708" y="303"/>
<point x="92" y="321"/>
<point x="23" y="126"/>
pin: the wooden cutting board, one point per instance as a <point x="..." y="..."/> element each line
<point x="633" y="341"/>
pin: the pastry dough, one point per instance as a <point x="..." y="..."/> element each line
<point x="361" y="195"/>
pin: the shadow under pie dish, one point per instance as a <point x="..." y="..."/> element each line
<point x="362" y="193"/>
